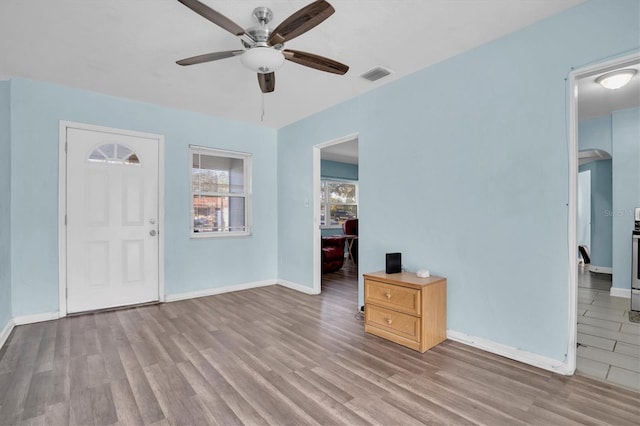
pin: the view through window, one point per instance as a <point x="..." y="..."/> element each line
<point x="220" y="182"/>
<point x="339" y="201"/>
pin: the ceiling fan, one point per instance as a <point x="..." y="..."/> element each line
<point x="264" y="50"/>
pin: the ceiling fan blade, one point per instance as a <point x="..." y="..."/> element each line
<point x="213" y="16"/>
<point x="208" y="57"/>
<point x="315" y="61"/>
<point x="267" y="82"/>
<point x="301" y="22"/>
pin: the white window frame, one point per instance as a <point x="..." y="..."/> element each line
<point x="326" y="204"/>
<point x="247" y="170"/>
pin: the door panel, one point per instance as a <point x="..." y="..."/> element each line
<point x="112" y="207"/>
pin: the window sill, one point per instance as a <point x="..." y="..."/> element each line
<point x="330" y="226"/>
<point x="215" y="235"/>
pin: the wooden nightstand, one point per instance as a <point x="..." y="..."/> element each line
<point x="405" y="309"/>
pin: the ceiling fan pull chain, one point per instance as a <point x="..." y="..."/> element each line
<point x="262" y="115"/>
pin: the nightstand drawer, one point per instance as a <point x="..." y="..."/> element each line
<point x="392" y="296"/>
<point x="403" y="325"/>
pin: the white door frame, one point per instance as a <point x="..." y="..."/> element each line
<point x="62" y="204"/>
<point x="317" y="267"/>
<point x="574" y="76"/>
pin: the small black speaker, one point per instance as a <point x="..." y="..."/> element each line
<point x="394" y="263"/>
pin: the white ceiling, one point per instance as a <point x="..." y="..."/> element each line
<point x="596" y="101"/>
<point x="128" y="48"/>
<point x="345" y="152"/>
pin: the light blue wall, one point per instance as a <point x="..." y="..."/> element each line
<point x="595" y="134"/>
<point x="626" y="190"/>
<point x="336" y="170"/>
<point x="473" y="151"/>
<point x="328" y="232"/>
<point x="5" y="203"/>
<point x="190" y="265"/>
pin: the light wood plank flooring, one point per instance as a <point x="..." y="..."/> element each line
<point x="275" y="356"/>
<point x="608" y="343"/>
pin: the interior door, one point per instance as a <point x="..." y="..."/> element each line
<point x="112" y="220"/>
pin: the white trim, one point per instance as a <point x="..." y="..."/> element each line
<point x="317" y="232"/>
<point x="572" y="234"/>
<point x="30" y="319"/>
<point x="6" y="331"/>
<point x="601" y="269"/>
<point x="298" y="287"/>
<point x="510" y="352"/>
<point x="317" y="258"/>
<point x="62" y="214"/>
<point x="161" y="223"/>
<point x="219" y="290"/>
<point x="62" y="203"/>
<point x="572" y="223"/>
<point x="620" y="292"/>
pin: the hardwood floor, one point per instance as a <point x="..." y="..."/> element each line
<point x="275" y="356"/>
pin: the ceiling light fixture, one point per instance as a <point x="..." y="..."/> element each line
<point x="616" y="79"/>
<point x="262" y="60"/>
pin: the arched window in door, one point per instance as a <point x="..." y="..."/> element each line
<point x="114" y="153"/>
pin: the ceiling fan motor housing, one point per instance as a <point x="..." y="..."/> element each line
<point x="261" y="33"/>
<point x="263" y="15"/>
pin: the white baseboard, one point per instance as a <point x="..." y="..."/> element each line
<point x="601" y="269"/>
<point x="218" y="290"/>
<point x="511" y="352"/>
<point x="620" y="292"/>
<point x="298" y="287"/>
<point x="6" y="331"/>
<point x="22" y="320"/>
<point x="30" y="319"/>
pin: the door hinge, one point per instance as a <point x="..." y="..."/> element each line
<point x="65" y="220"/>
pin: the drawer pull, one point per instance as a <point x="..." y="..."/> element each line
<point x="388" y="320"/>
<point x="388" y="295"/>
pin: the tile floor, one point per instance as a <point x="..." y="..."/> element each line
<point x="608" y="343"/>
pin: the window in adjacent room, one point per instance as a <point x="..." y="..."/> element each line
<point x="339" y="201"/>
<point x="220" y="192"/>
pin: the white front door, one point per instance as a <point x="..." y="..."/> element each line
<point x="112" y="220"/>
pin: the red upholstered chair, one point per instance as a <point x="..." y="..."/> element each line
<point x="350" y="227"/>
<point x="332" y="253"/>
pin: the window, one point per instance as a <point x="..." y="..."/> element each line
<point x="220" y="192"/>
<point x="339" y="201"/>
<point x="114" y="153"/>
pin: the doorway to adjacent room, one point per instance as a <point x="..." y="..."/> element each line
<point x="336" y="213"/>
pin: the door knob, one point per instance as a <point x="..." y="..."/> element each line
<point x="153" y="232"/>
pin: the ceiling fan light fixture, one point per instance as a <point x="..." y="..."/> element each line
<point x="616" y="79"/>
<point x="262" y="60"/>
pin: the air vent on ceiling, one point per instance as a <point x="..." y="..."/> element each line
<point x="376" y="73"/>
